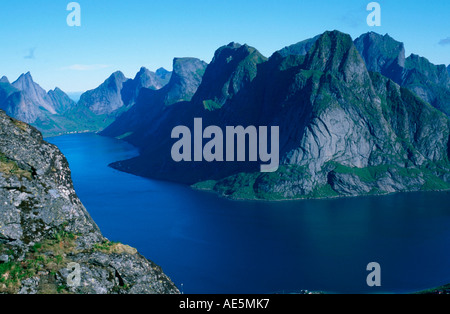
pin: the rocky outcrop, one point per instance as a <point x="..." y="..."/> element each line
<point x="44" y="227"/>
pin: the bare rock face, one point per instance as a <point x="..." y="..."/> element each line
<point x="44" y="227"/>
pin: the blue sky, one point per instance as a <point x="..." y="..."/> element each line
<point x="125" y="35"/>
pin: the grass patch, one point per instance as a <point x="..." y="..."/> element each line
<point x="211" y="105"/>
<point x="123" y="136"/>
<point x="10" y="168"/>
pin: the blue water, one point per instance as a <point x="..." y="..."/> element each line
<point x="207" y="244"/>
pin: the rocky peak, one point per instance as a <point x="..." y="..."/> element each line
<point x="436" y="74"/>
<point x="4" y="79"/>
<point x="146" y="78"/>
<point x="106" y="98"/>
<point x="382" y="54"/>
<point x="186" y="78"/>
<point x="164" y="75"/>
<point x="61" y="101"/>
<point x="335" y="53"/>
<point x="116" y="80"/>
<point x="36" y="95"/>
<point x="233" y="67"/>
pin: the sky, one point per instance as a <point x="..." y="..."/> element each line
<point x="126" y="35"/>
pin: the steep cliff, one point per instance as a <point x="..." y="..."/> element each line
<point x="44" y="227"/>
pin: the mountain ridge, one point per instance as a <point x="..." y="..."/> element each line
<point x="344" y="131"/>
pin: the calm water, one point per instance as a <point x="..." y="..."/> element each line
<point x="211" y="245"/>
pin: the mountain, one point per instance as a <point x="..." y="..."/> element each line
<point x="106" y="98"/>
<point x="448" y="70"/>
<point x="382" y="54"/>
<point x="100" y="107"/>
<point x="163" y="75"/>
<point x="233" y="67"/>
<point x="300" y="48"/>
<point x="342" y="129"/>
<point x="185" y="79"/>
<point x="44" y="227"/>
<point x="25" y="100"/>
<point x="19" y="104"/>
<point x="60" y="100"/>
<point x="55" y="113"/>
<point x="34" y="93"/>
<point x="385" y="55"/>
<point x="143" y="79"/>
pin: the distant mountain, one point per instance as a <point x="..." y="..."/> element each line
<point x="106" y="98"/>
<point x="60" y="100"/>
<point x="144" y="79"/>
<point x="25" y="100"/>
<point x="100" y="107"/>
<point x="185" y="79"/>
<point x="56" y="113"/>
<point x="163" y="75"/>
<point x="385" y="55"/>
<point x="382" y="54"/>
<point x="34" y="93"/>
<point x="343" y="130"/>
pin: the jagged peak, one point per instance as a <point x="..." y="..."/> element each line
<point x="233" y="49"/>
<point x="143" y="71"/>
<point x="118" y="75"/>
<point x="182" y="66"/>
<point x="24" y="77"/>
<point x="335" y="53"/>
<point x="162" y="72"/>
<point x="4" y="79"/>
<point x="330" y="48"/>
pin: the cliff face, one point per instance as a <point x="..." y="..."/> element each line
<point x="44" y="227"/>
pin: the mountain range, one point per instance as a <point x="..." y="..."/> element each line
<point x="55" y="113"/>
<point x="355" y="118"/>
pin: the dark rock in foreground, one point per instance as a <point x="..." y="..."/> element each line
<point x="44" y="227"/>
